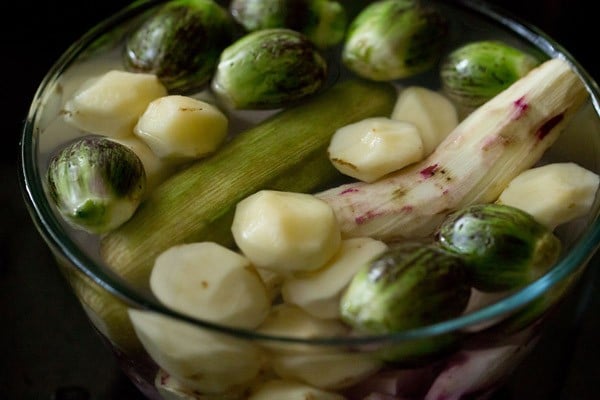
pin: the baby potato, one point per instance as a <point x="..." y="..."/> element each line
<point x="319" y="293"/>
<point x="281" y="389"/>
<point x="211" y="282"/>
<point x="201" y="360"/>
<point x="286" y="232"/>
<point x="554" y="193"/>
<point x="431" y="112"/>
<point x="373" y="147"/>
<point x="111" y="104"/>
<point x="325" y="367"/>
<point x="182" y="127"/>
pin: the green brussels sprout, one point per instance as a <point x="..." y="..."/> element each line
<point x="269" y="68"/>
<point x="322" y="21"/>
<point x="408" y="286"/>
<point x="503" y="246"/>
<point x="96" y="183"/>
<point x="474" y="73"/>
<point x="181" y="43"/>
<point x="392" y="39"/>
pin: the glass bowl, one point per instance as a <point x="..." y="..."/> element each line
<point x="470" y="355"/>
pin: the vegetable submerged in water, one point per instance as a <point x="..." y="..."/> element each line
<point x="198" y="203"/>
<point x="394" y="39"/>
<point x="181" y="43"/>
<point x="408" y="286"/>
<point x="96" y="183"/>
<point x="504" y="247"/>
<point x="269" y="68"/>
<point x="473" y="164"/>
<point x="322" y="21"/>
<point x="476" y="72"/>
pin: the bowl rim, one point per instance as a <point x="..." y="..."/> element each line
<point x="52" y="232"/>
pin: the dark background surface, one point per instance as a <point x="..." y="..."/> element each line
<point x="48" y="349"/>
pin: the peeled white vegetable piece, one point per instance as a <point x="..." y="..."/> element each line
<point x="182" y="127"/>
<point x="326" y="370"/>
<point x="208" y="281"/>
<point x="553" y="193"/>
<point x="286" y="232"/>
<point x="205" y="361"/>
<point x="112" y="103"/>
<point x="373" y="147"/>
<point x="288" y="320"/>
<point x="325" y="367"/>
<point x="474" y="163"/>
<point x="171" y="389"/>
<point x="281" y="389"/>
<point x="319" y="293"/>
<point x="431" y="112"/>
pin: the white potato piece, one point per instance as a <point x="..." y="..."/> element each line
<point x="432" y="113"/>
<point x="280" y="389"/>
<point x="373" y="147"/>
<point x="272" y="280"/>
<point x="325" y="370"/>
<point x="182" y="127"/>
<point x="201" y="360"/>
<point x="287" y="320"/>
<point x="111" y="104"/>
<point x="553" y="193"/>
<point x="172" y="389"/>
<point x="320" y="366"/>
<point x="157" y="169"/>
<point x="208" y="281"/>
<point x="319" y="293"/>
<point x="286" y="232"/>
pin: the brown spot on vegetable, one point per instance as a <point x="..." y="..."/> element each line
<point x="204" y="284"/>
<point x="398" y="193"/>
<point x="343" y="162"/>
<point x="184" y="109"/>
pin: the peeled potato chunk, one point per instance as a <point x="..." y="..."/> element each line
<point x="291" y="321"/>
<point x="554" y="193"/>
<point x="182" y="127"/>
<point x="319" y="293"/>
<point x="373" y="147"/>
<point x="208" y="281"/>
<point x="171" y="389"/>
<point x="432" y="113"/>
<point x="111" y="104"/>
<point x="290" y="390"/>
<point x="286" y="232"/>
<point x="326" y="370"/>
<point x="325" y="367"/>
<point x="200" y="360"/>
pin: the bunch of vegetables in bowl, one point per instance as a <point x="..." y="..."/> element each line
<point x="312" y="199"/>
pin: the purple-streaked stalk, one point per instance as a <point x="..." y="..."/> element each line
<point x="478" y="159"/>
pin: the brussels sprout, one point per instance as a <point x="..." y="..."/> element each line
<point x="181" y="43"/>
<point x="408" y="286"/>
<point x="96" y="183"/>
<point x="392" y="39"/>
<point x="474" y="73"/>
<point x="504" y="247"/>
<point x="322" y="21"/>
<point x="269" y="68"/>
